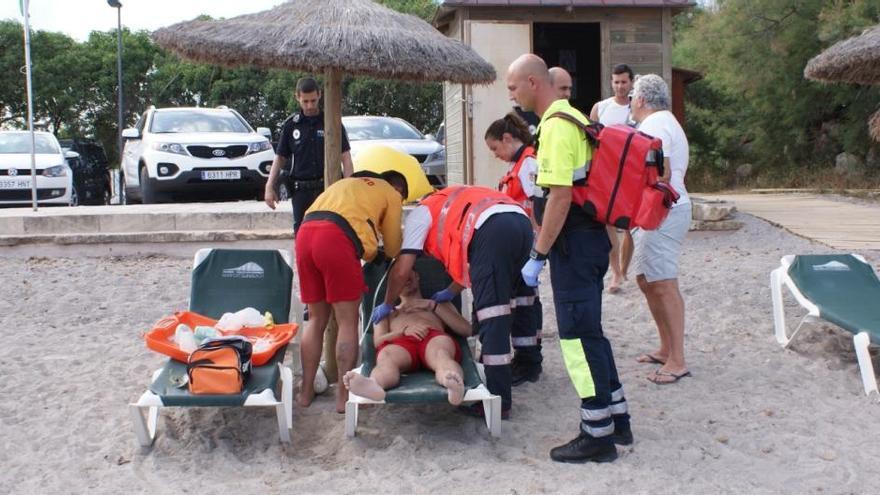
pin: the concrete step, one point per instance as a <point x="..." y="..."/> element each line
<point x="189" y="217"/>
<point x="167" y="236"/>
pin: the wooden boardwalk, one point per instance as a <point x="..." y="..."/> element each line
<point x="839" y="224"/>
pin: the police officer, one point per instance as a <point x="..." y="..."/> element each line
<point x="302" y="142"/>
<point x="482" y="237"/>
<point x="577" y="247"/>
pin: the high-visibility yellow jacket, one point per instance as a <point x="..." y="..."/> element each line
<point x="364" y="208"/>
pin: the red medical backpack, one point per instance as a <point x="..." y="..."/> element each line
<point x="621" y="186"/>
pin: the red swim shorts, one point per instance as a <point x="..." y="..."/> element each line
<point x="327" y="264"/>
<point x="416" y="348"/>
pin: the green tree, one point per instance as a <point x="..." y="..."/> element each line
<point x="13" y="104"/>
<point x="754" y="103"/>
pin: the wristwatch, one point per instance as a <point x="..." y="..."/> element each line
<point x="535" y="255"/>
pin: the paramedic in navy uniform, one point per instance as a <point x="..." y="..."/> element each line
<point x="302" y="139"/>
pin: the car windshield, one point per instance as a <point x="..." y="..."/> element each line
<point x="20" y="142"/>
<point x="172" y="122"/>
<point x="379" y="128"/>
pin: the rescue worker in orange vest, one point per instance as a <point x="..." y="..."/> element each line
<point x="507" y="138"/>
<point x="483" y="238"/>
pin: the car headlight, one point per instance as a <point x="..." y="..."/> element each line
<point x="259" y="146"/>
<point x="437" y="155"/>
<point x="175" y="148"/>
<point x="56" y="171"/>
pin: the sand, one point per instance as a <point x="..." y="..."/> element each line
<point x="753" y="418"/>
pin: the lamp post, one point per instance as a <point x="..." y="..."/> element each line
<point x="118" y="6"/>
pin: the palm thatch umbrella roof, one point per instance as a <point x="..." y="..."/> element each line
<point x="854" y="60"/>
<point x="354" y="36"/>
<point x="874" y="126"/>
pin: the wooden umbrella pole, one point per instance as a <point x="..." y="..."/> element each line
<point x="332" y="173"/>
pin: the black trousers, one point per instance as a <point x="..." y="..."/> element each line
<point x="496" y="254"/>
<point x="301" y="200"/>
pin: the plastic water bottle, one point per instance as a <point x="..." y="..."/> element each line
<point x="262" y="345"/>
<point x="203" y="332"/>
<point x="184" y="338"/>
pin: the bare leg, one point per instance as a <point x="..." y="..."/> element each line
<point x="310" y="350"/>
<point x="329" y="356"/>
<point x="662" y="353"/>
<point x="440" y="357"/>
<point x="346" y="345"/>
<point x="389" y="363"/>
<point x="626" y="252"/>
<point x="614" y="260"/>
<point x="666" y="295"/>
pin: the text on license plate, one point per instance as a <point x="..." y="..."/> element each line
<point x="15" y="183"/>
<point x="221" y="174"/>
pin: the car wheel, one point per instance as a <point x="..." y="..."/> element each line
<point x="123" y="195"/>
<point x="105" y="195"/>
<point x="283" y="193"/>
<point x="74" y="197"/>
<point x="148" y="193"/>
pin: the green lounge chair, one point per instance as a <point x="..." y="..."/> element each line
<point x="227" y="280"/>
<point x="421" y="386"/>
<point x="842" y="289"/>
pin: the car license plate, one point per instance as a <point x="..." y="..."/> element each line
<point x="221" y="174"/>
<point x="15" y="183"/>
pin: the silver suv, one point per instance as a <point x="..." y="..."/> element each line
<point x="186" y="150"/>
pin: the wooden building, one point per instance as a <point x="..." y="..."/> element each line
<point x="586" y="37"/>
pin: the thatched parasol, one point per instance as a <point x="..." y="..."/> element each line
<point x="334" y="37"/>
<point x="854" y="60"/>
<point x="874" y="126"/>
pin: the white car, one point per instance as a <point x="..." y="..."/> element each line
<point x="54" y="179"/>
<point x="186" y="150"/>
<point x="401" y="135"/>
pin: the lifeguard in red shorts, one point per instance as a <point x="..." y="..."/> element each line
<point x="342" y="227"/>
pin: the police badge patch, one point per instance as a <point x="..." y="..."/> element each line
<point x="296" y="134"/>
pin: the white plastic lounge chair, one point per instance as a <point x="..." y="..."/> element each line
<point x="842" y="289"/>
<point x="226" y="280"/>
<point x="418" y="387"/>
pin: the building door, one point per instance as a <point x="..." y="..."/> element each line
<point x="576" y="47"/>
<point x="499" y="43"/>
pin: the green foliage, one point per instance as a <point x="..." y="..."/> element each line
<point x="754" y="103"/>
<point x="75" y="84"/>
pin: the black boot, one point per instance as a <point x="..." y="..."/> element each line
<point x="584" y="448"/>
<point x="525" y="372"/>
<point x="622" y="437"/>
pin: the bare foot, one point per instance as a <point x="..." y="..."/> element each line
<point x="341" y="399"/>
<point x="614" y="286"/>
<point x="651" y="358"/>
<point x="454" y="388"/>
<point x="363" y="386"/>
<point x="305" y="397"/>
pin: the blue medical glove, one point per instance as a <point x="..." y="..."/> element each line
<point x="443" y="296"/>
<point x="531" y="270"/>
<point x="381" y="312"/>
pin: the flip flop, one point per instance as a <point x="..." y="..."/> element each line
<point x="649" y="358"/>
<point x="675" y="378"/>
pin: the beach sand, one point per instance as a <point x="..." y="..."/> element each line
<point x="753" y="418"/>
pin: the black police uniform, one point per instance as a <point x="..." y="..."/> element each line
<point x="302" y="143"/>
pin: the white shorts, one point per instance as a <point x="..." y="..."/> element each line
<point x="656" y="252"/>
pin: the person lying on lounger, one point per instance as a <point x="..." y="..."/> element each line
<point x="413" y="338"/>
